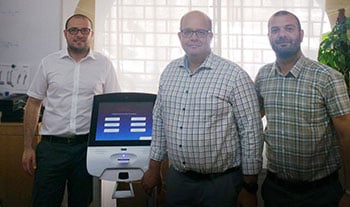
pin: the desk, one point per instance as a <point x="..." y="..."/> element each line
<point x="15" y="184"/>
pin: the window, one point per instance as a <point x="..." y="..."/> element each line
<point x="140" y="36"/>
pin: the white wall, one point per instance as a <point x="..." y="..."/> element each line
<point x="28" y="33"/>
<point x="68" y="9"/>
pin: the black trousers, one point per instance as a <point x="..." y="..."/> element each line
<point x="279" y="194"/>
<point x="59" y="164"/>
<point x="202" y="191"/>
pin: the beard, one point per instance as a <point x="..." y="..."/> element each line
<point x="286" y="52"/>
<point x="78" y="50"/>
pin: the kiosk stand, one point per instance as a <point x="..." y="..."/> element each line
<point x="119" y="140"/>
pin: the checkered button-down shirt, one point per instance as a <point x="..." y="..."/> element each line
<point x="301" y="141"/>
<point x="207" y="121"/>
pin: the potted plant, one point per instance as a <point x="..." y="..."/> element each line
<point x="334" y="48"/>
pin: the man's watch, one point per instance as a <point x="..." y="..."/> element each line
<point x="250" y="187"/>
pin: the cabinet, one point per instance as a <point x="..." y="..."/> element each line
<point x="15" y="184"/>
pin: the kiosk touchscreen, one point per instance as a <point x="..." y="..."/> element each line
<point x="120" y="136"/>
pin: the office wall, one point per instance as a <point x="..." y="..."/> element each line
<point x="29" y="30"/>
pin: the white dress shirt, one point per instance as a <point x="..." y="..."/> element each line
<point x="67" y="88"/>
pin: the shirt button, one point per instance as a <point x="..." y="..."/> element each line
<point x="180" y="145"/>
<point x="183" y="109"/>
<point x="180" y="127"/>
<point x="184" y="163"/>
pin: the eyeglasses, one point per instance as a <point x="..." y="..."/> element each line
<point x="201" y="33"/>
<point x="74" y="31"/>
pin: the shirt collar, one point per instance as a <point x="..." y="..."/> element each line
<point x="207" y="63"/>
<point x="295" y="71"/>
<point x="64" y="54"/>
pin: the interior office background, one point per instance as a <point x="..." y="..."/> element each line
<point x="140" y="36"/>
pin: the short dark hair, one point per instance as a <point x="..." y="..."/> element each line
<point x="285" y="12"/>
<point x="82" y="16"/>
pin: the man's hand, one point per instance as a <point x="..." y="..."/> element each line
<point x="28" y="161"/>
<point x="246" y="199"/>
<point x="152" y="178"/>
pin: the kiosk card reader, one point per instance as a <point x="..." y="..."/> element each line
<point x="120" y="138"/>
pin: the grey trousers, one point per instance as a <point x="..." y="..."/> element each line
<point x="198" y="191"/>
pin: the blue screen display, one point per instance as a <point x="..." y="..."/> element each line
<point x="124" y="121"/>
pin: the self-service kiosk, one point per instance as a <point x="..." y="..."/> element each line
<point x="120" y="137"/>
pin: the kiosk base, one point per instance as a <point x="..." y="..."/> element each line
<point x="129" y="193"/>
<point x="139" y="199"/>
<point x="123" y="193"/>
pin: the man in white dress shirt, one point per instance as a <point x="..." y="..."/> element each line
<point x="67" y="80"/>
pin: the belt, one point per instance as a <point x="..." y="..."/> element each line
<point x="302" y="185"/>
<point x="204" y="176"/>
<point x="75" y="139"/>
